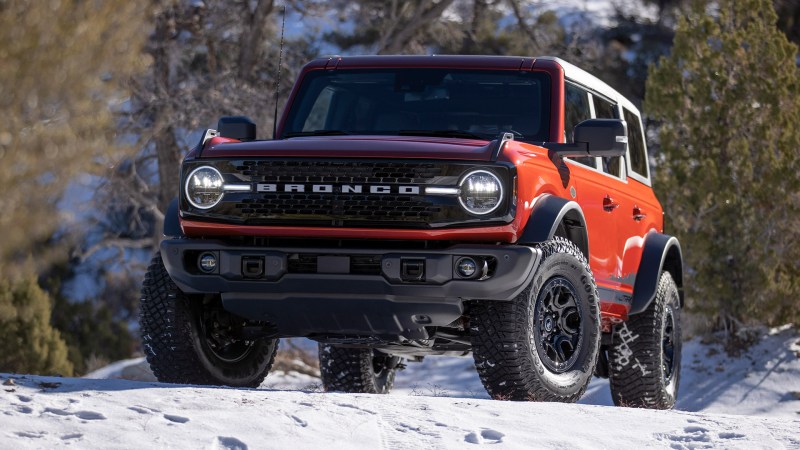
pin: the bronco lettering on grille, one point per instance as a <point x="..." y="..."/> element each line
<point x="337" y="188"/>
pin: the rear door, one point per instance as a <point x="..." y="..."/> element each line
<point x="640" y="211"/>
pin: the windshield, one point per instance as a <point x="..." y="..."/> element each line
<point x="477" y="104"/>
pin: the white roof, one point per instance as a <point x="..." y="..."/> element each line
<point x="580" y="76"/>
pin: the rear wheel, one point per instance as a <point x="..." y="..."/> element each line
<point x="193" y="340"/>
<point x="357" y="370"/>
<point x="645" y="356"/>
<point x="543" y="345"/>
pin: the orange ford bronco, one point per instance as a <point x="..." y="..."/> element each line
<point x="425" y="205"/>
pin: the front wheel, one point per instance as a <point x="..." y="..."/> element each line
<point x="357" y="370"/>
<point x="193" y="340"/>
<point x="645" y="356"/>
<point x="543" y="345"/>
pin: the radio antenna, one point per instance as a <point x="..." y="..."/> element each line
<point x="278" y="78"/>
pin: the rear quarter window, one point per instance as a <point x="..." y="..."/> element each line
<point x="636" y="149"/>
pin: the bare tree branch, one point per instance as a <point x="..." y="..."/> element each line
<point x="422" y="19"/>
<point x="112" y="242"/>
<point x="522" y="23"/>
<point x="252" y="37"/>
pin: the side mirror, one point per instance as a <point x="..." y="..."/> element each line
<point x="603" y="137"/>
<point x="237" y="127"/>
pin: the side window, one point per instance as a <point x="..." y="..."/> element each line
<point x="636" y="150"/>
<point x="576" y="110"/>
<point x="603" y="109"/>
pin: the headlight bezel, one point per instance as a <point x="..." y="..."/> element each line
<point x="463" y="189"/>
<point x="221" y="187"/>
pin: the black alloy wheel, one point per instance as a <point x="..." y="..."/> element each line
<point x="668" y="346"/>
<point x="558" y="325"/>
<point x="217" y="337"/>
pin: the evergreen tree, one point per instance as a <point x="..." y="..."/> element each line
<point x="728" y="97"/>
<point x="28" y="344"/>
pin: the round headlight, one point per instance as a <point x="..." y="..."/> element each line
<point x="481" y="192"/>
<point x="204" y="187"/>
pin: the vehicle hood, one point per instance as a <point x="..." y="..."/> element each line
<point x="398" y="147"/>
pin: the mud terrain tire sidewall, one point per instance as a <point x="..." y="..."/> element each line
<point x="352" y="370"/>
<point x="173" y="346"/>
<point x="636" y="369"/>
<point x="506" y="354"/>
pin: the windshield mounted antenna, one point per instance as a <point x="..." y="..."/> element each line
<point x="278" y="78"/>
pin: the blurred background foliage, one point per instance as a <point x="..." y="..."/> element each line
<point x="99" y="100"/>
<point x="728" y="102"/>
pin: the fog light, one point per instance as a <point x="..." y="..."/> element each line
<point x="207" y="262"/>
<point x="466" y="267"/>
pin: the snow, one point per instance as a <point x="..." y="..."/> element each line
<point x="749" y="402"/>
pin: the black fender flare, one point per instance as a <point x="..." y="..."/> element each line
<point x="172" y="224"/>
<point x="660" y="252"/>
<point x="547" y="214"/>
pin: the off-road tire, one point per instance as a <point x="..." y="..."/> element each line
<point x="507" y="355"/>
<point x="639" y="371"/>
<point x="175" y="349"/>
<point x="353" y="370"/>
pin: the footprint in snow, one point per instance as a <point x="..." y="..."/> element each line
<point x="691" y="437"/>
<point x="731" y="435"/>
<point x="347" y="405"/>
<point x="23" y="409"/>
<point x="176" y="419"/>
<point x="228" y="443"/>
<point x="143" y="409"/>
<point x="69" y="436"/>
<point x="299" y="421"/>
<point x="24" y="398"/>
<point x="31" y="434"/>
<point x="486" y="436"/>
<point x="139" y="410"/>
<point x="83" y="415"/>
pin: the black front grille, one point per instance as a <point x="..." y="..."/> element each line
<point x="311" y="171"/>
<point x="355" y="193"/>
<point x="397" y="207"/>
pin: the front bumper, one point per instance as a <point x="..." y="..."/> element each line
<point x="333" y="299"/>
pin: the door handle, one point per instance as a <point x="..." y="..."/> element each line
<point x="638" y="214"/>
<point x="609" y="204"/>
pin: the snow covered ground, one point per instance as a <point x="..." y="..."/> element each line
<point x="750" y="402"/>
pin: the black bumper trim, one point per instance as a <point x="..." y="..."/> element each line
<point x="303" y="303"/>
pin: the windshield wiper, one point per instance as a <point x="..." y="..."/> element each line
<point x="316" y="133"/>
<point x="442" y="133"/>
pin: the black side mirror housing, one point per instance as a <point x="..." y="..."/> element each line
<point x="603" y="137"/>
<point x="237" y="127"/>
<point x="595" y="137"/>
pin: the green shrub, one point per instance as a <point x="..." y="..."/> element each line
<point x="28" y="344"/>
<point x="92" y="333"/>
